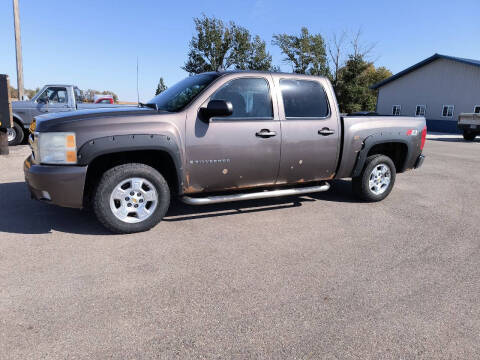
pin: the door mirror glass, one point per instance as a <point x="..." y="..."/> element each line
<point x="217" y="108"/>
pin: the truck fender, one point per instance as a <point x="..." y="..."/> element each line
<point x="127" y="143"/>
<point x="376" y="139"/>
<point x="18" y="119"/>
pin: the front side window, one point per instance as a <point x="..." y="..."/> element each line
<point x="396" y="110"/>
<point x="476" y="109"/>
<point x="420" y="110"/>
<point x="447" y="110"/>
<point x="250" y="98"/>
<point x="181" y="94"/>
<point x="304" y="99"/>
<point x="54" y="95"/>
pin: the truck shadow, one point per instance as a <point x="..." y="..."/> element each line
<point x="456" y="140"/>
<point x="339" y="192"/>
<point x="19" y="214"/>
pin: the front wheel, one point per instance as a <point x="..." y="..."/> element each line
<point x="15" y="135"/>
<point x="376" y="179"/>
<point x="469" y="136"/>
<point x="131" y="198"/>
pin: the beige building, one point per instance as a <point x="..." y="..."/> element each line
<point x="439" y="88"/>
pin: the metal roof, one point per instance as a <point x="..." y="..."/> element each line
<point x="422" y="63"/>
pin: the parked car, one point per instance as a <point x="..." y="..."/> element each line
<point x="50" y="99"/>
<point x="216" y="137"/>
<point x="103" y="99"/>
<point x="469" y="124"/>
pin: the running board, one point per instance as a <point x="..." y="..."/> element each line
<point x="251" y="196"/>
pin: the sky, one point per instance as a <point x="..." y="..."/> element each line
<point x="95" y="44"/>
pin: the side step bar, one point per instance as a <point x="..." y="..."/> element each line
<point x="251" y="196"/>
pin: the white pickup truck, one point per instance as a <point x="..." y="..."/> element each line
<point x="50" y="99"/>
<point x="469" y="124"/>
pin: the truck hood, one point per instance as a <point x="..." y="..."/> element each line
<point x="21" y="104"/>
<point x="61" y="121"/>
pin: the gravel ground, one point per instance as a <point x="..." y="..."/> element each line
<point x="311" y="277"/>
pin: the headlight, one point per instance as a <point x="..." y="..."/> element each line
<point x="57" y="148"/>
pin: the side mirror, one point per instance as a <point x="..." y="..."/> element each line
<point x="216" y="108"/>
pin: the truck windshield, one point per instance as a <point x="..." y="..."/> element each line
<point x="182" y="93"/>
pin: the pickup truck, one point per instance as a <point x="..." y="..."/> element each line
<point x="469" y="124"/>
<point x="216" y="137"/>
<point x="50" y="99"/>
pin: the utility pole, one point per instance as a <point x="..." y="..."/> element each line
<point x="18" y="49"/>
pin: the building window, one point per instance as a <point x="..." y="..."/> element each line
<point x="476" y="109"/>
<point x="447" y="110"/>
<point x="396" y="109"/>
<point x="420" y="110"/>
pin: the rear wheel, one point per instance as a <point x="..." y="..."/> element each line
<point x="469" y="136"/>
<point x="376" y="179"/>
<point x="131" y="198"/>
<point x="15" y="135"/>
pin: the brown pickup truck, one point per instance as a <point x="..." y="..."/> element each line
<point x="216" y="137"/>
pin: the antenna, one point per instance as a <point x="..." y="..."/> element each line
<point x="138" y="94"/>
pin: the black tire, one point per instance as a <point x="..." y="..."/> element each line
<point x="469" y="136"/>
<point x="360" y="184"/>
<point x="109" y="181"/>
<point x="19" y="135"/>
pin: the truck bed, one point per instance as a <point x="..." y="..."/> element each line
<point x="357" y="131"/>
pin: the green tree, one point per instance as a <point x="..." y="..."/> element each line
<point x="217" y="45"/>
<point x="161" y="87"/>
<point x="258" y="57"/>
<point x="305" y="52"/>
<point x="353" y="88"/>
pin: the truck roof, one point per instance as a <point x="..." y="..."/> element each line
<point x="59" y="84"/>
<point x="223" y="72"/>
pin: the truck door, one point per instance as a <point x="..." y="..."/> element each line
<point x="238" y="151"/>
<point x="53" y="99"/>
<point x="310" y="131"/>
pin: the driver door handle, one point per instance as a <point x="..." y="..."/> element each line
<point x="265" y="133"/>
<point x="326" y="131"/>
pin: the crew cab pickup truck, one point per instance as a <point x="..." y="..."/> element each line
<point x="216" y="137"/>
<point x="50" y="99"/>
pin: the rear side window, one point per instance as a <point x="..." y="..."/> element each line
<point x="304" y="99"/>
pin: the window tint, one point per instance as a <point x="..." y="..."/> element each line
<point x="55" y="95"/>
<point x="476" y="109"/>
<point x="250" y="98"/>
<point x="304" y="98"/>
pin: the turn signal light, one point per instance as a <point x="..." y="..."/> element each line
<point x="71" y="156"/>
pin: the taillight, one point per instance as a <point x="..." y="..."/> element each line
<point x="424" y="137"/>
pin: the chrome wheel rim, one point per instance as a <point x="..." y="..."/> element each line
<point x="380" y="178"/>
<point x="133" y="200"/>
<point x="12" y="134"/>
